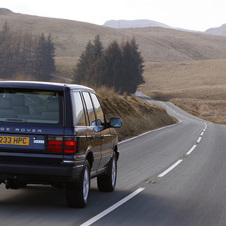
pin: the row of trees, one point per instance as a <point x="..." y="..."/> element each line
<point x="24" y="54"/>
<point x="119" y="65"/>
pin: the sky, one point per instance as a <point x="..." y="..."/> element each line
<point x="197" y="15"/>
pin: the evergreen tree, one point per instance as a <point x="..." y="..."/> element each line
<point x="133" y="66"/>
<point x="85" y="68"/>
<point x="121" y="68"/>
<point x="6" y="52"/>
<point x="27" y="55"/>
<point x="50" y="54"/>
<point x="112" y="69"/>
<point x="23" y="54"/>
<point x="84" y="64"/>
<point x="98" y="47"/>
<point x="44" y="63"/>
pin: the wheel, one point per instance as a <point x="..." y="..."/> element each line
<point x="107" y="182"/>
<point x="77" y="193"/>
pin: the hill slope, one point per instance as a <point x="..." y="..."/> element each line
<point x="137" y="115"/>
<point x="133" y="24"/>
<point x="156" y="44"/>
<point x="198" y="86"/>
<point x="217" y="30"/>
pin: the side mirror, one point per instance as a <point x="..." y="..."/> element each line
<point x="115" y="122"/>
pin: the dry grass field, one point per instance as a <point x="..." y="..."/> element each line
<point x="137" y="115"/>
<point x="156" y="44"/>
<point x="199" y="87"/>
<point x="64" y="65"/>
<point x="184" y="67"/>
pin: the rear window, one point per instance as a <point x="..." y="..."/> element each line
<point x="31" y="106"/>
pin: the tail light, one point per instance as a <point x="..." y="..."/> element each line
<point x="70" y="147"/>
<point x="62" y="145"/>
<point x="55" y="146"/>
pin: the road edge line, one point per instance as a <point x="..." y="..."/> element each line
<point x="151" y="131"/>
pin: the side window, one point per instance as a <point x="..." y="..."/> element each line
<point x="90" y="109"/>
<point x="79" y="111"/>
<point x="99" y="112"/>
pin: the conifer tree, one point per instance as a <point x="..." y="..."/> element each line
<point x="98" y="47"/>
<point x="25" y="54"/>
<point x="118" y="67"/>
<point x="50" y="54"/>
<point x="133" y="66"/>
<point x="85" y="68"/>
<point x="112" y="69"/>
<point x="6" y="52"/>
<point x="44" y="62"/>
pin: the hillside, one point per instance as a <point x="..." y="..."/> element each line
<point x="137" y="115"/>
<point x="156" y="44"/>
<point x="221" y="31"/>
<point x="133" y="24"/>
<point x="199" y="87"/>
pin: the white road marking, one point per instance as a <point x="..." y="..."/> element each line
<point x="188" y="153"/>
<point x="191" y="150"/>
<point x="121" y="202"/>
<point x="151" y="131"/>
<point x="110" y="209"/>
<point x="198" y="141"/>
<point x="170" y="168"/>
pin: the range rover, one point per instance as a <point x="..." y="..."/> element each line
<point x="56" y="134"/>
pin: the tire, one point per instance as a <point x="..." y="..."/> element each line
<point x="77" y="193"/>
<point x="107" y="182"/>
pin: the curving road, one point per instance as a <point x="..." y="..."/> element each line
<point x="171" y="176"/>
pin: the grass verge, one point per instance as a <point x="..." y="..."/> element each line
<point x="137" y="115"/>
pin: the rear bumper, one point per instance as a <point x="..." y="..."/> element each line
<point x="40" y="173"/>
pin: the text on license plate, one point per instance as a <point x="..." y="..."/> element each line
<point x="11" y="140"/>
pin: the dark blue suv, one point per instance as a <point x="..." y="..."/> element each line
<point x="56" y="134"/>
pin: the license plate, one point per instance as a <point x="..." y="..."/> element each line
<point x="11" y="140"/>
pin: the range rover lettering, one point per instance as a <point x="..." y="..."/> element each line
<point x="56" y="134"/>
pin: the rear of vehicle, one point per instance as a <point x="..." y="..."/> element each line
<point x="57" y="135"/>
<point x="33" y="145"/>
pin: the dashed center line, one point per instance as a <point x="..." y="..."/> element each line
<point x="198" y="141"/>
<point x="191" y="150"/>
<point x="121" y="202"/>
<point x="188" y="153"/>
<point x="170" y="168"/>
<point x="110" y="209"/>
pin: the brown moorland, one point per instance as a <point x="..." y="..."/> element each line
<point x="137" y="115"/>
<point x="156" y="44"/>
<point x="198" y="87"/>
<point x="184" y="67"/>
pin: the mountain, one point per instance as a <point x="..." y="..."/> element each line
<point x="133" y="24"/>
<point x="4" y="11"/>
<point x="156" y="44"/>
<point x="217" y="30"/>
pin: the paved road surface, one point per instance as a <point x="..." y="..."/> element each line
<point x="177" y="174"/>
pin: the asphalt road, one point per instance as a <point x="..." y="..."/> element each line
<point x="171" y="176"/>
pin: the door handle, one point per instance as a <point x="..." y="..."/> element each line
<point x="91" y="137"/>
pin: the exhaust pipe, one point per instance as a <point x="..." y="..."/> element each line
<point x="7" y="184"/>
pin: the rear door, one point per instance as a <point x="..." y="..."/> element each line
<point x="106" y="137"/>
<point x="28" y="120"/>
<point x="93" y="138"/>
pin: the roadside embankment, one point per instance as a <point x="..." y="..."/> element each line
<point x="137" y="115"/>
